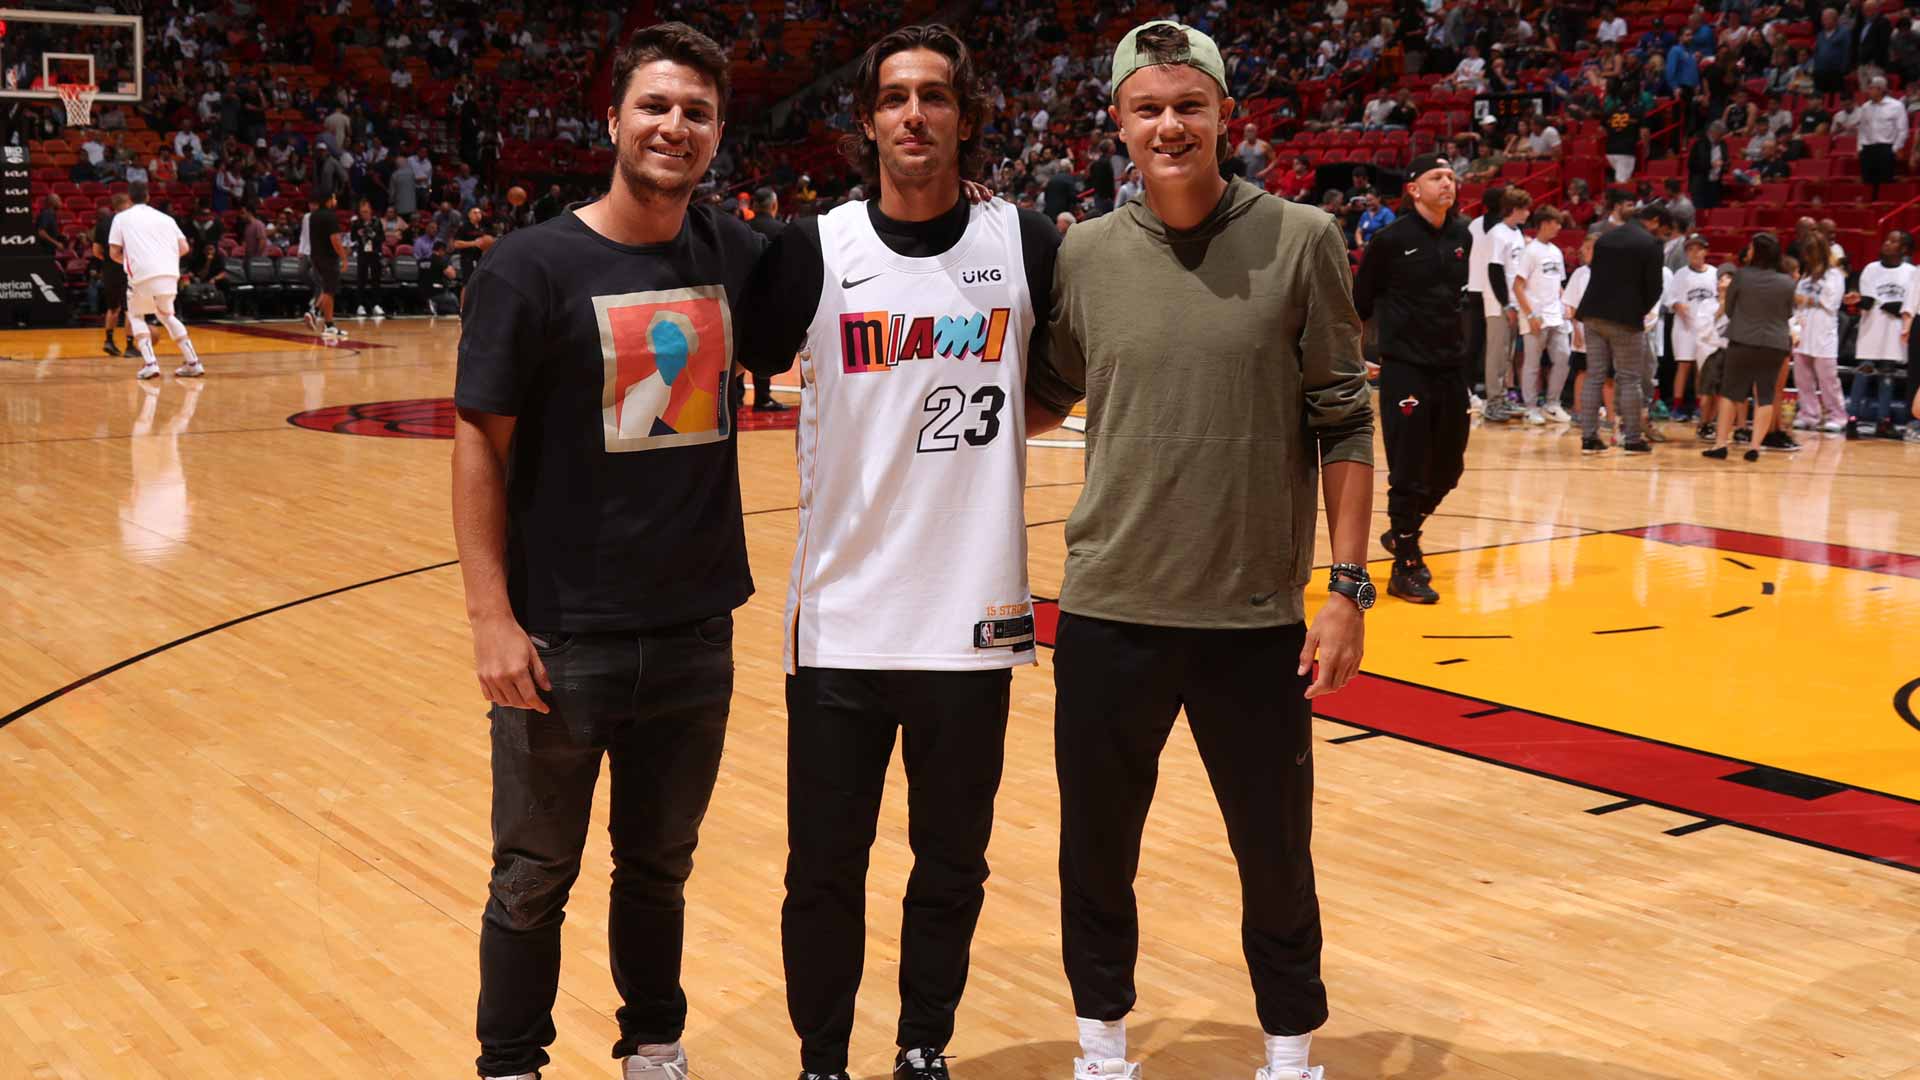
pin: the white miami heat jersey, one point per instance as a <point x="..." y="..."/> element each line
<point x="912" y="551"/>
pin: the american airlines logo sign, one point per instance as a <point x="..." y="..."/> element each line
<point x="14" y="155"/>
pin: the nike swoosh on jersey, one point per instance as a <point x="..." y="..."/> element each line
<point x="1409" y="251"/>
<point x="848" y="283"/>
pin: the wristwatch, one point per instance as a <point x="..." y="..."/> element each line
<point x="1351" y="581"/>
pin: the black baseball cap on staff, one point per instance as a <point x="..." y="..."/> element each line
<point x="1426" y="163"/>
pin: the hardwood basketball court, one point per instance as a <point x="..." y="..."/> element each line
<point x="1639" y="801"/>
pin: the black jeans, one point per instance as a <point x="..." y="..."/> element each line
<point x="840" y="737"/>
<point x="1423" y="417"/>
<point x="655" y="704"/>
<point x="1119" y="687"/>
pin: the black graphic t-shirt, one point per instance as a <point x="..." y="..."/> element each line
<point x="623" y="486"/>
<point x="368" y="235"/>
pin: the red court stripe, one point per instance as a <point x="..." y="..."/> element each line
<point x="1780" y="547"/>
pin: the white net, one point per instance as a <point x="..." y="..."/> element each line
<point x="79" y="102"/>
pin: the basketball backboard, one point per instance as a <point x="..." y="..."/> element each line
<point x="42" y="49"/>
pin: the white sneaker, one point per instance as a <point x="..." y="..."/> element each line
<point x="1475" y="402"/>
<point x="1558" y="414"/>
<point x="1110" y="1069"/>
<point x="360" y="312"/>
<point x="148" y="371"/>
<point x="334" y="331"/>
<point x="1805" y="423"/>
<point x="189" y="371"/>
<point x="1536" y="417"/>
<point x="1834" y="427"/>
<point x="378" y="313"/>
<point x="1314" y="1073"/>
<point x="313" y="320"/>
<point x="642" y="1067"/>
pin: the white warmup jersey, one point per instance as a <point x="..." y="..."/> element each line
<point x="1570" y="298"/>
<point x="1879" y="331"/>
<point x="1477" y="255"/>
<point x="1544" y="269"/>
<point x="1504" y="244"/>
<point x="912" y="550"/>
<point x="1699" y="290"/>
<point x="151" y="241"/>
<point x="1656" y="341"/>
<point x="1820" y="319"/>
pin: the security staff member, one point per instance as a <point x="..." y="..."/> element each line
<point x="1411" y="278"/>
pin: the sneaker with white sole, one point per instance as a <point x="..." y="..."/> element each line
<point x="1109" y="1069"/>
<point x="1474" y="402"/>
<point x="1834" y="427"/>
<point x="515" y="1076"/>
<point x="189" y="371"/>
<point x="148" y="371"/>
<point x="333" y="331"/>
<point x="1558" y="414"/>
<point x="644" y="1067"/>
<point x="360" y="312"/>
<point x="378" y="312"/>
<point x="1536" y="417"/>
<point x="1270" y="1073"/>
<point x="313" y="320"/>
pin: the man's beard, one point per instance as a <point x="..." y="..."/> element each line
<point x="647" y="188"/>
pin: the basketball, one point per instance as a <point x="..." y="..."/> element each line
<point x="517" y="195"/>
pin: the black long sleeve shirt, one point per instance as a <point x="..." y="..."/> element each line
<point x="1410" y="284"/>
<point x="1626" y="281"/>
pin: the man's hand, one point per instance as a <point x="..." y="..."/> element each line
<point x="1513" y="318"/>
<point x="1339" y="637"/>
<point x="975" y="191"/>
<point x="508" y="667"/>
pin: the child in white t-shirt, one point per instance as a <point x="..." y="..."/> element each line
<point x="1539" y="274"/>
<point x="1693" y="293"/>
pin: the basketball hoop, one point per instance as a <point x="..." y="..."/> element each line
<point x="78" y="98"/>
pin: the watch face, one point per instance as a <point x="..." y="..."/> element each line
<point x="1366" y="596"/>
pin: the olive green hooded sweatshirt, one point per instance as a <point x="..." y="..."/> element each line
<point x="1220" y="366"/>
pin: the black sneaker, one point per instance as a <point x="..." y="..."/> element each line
<point x="841" y="1075"/>
<point x="923" y="1063"/>
<point x="1406" y="584"/>
<point x="1636" y="446"/>
<point x="1390" y="541"/>
<point x="110" y="348"/>
<point x="1705" y="432"/>
<point x="1779" y="440"/>
<point x="1593" y="446"/>
<point x="1885" y="430"/>
<point x="769" y="405"/>
<point x="1743" y="434"/>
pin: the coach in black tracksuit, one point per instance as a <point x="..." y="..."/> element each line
<point x="1410" y="284"/>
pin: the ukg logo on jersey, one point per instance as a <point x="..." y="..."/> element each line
<point x="882" y="340"/>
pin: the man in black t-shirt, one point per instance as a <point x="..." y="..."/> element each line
<point x="328" y="251"/>
<point x="597" y="512"/>
<point x="113" y="276"/>
<point x="369" y="236"/>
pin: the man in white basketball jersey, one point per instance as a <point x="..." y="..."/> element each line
<point x="907" y="607"/>
<point x="149" y="244"/>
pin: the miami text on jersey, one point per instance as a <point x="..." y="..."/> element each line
<point x="880" y="340"/>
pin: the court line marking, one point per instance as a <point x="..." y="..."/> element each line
<point x="56" y="695"/>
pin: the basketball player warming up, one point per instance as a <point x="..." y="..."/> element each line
<point x="915" y="317"/>
<point x="1210" y="327"/>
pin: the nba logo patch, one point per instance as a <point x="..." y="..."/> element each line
<point x="666" y="357"/>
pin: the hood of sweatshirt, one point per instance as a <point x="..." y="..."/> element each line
<point x="1239" y="197"/>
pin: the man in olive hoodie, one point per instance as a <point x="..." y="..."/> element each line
<point x="1211" y="329"/>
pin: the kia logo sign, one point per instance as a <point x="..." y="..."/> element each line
<point x="16" y="240"/>
<point x="13" y="191"/>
